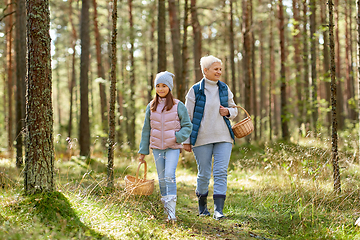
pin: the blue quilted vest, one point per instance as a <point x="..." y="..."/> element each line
<point x="200" y="99"/>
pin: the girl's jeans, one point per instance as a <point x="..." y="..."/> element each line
<point x="166" y="162"/>
<point x="203" y="155"/>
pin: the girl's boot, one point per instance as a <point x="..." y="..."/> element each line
<point x="170" y="206"/>
<point x="219" y="206"/>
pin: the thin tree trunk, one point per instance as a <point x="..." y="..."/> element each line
<point x="314" y="102"/>
<point x="176" y="49"/>
<point x="263" y="82"/>
<point x="232" y="50"/>
<point x="272" y="74"/>
<point x="20" y="78"/>
<point x="334" y="135"/>
<point x="39" y="159"/>
<point x="306" y="67"/>
<point x="247" y="56"/>
<point x="358" y="66"/>
<point x="100" y="72"/>
<point x="84" y="128"/>
<point x="284" y="111"/>
<point x="131" y="97"/>
<point x="326" y="58"/>
<point x="197" y="40"/>
<point x="184" y="56"/>
<point x="338" y="60"/>
<point x="297" y="61"/>
<point x="111" y="141"/>
<point x="254" y="82"/>
<point x="73" y="69"/>
<point x="9" y="41"/>
<point x="161" y="36"/>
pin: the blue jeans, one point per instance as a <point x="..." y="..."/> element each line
<point x="166" y="162"/>
<point x="221" y="152"/>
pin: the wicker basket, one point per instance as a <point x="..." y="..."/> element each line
<point x="136" y="186"/>
<point x="244" y="127"/>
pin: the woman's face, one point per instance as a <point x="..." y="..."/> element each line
<point x="162" y="89"/>
<point x="214" y="72"/>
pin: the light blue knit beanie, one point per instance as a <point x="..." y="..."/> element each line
<point x="165" y="78"/>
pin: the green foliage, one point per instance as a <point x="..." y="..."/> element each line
<point x="276" y="190"/>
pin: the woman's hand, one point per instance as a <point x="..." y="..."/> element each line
<point x="141" y="158"/>
<point x="187" y="147"/>
<point x="224" y="111"/>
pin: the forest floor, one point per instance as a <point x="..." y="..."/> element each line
<point x="278" y="191"/>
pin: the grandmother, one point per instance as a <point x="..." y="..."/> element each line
<point x="210" y="105"/>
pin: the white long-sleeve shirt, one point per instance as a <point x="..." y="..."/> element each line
<point x="213" y="127"/>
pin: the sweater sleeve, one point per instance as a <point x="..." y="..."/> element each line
<point x="186" y="125"/>
<point x="145" y="134"/>
<point x="233" y="111"/>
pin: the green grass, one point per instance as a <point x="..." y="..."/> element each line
<point x="278" y="191"/>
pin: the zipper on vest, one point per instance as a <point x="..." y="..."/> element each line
<point x="162" y="130"/>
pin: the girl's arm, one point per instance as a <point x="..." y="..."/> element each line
<point x="145" y="134"/>
<point x="185" y="123"/>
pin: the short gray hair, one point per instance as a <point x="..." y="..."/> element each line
<point x="206" y="62"/>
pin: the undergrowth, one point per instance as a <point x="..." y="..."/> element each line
<point x="275" y="191"/>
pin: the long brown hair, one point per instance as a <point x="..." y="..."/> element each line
<point x="169" y="102"/>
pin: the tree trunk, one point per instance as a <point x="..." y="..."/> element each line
<point x="326" y="59"/>
<point x="297" y="61"/>
<point x="73" y="69"/>
<point x="197" y="41"/>
<point x="9" y="47"/>
<point x="272" y="75"/>
<point x="306" y="67"/>
<point x="100" y="72"/>
<point x="39" y="160"/>
<point x="284" y="111"/>
<point x="254" y="83"/>
<point x="184" y="56"/>
<point x="161" y="36"/>
<point x="131" y="97"/>
<point x="263" y="83"/>
<point x="338" y="60"/>
<point x="84" y="128"/>
<point x="247" y="56"/>
<point x="334" y="135"/>
<point x="176" y="49"/>
<point x="20" y="78"/>
<point x="314" y="102"/>
<point x="358" y="66"/>
<point x="111" y="141"/>
<point x="232" y="50"/>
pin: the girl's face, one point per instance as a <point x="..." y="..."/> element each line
<point x="213" y="73"/>
<point x="162" y="89"/>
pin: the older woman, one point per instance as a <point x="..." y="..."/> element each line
<point x="209" y="103"/>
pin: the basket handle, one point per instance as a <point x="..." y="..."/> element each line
<point x="243" y="110"/>
<point x="145" y="170"/>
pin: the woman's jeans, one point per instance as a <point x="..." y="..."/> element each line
<point x="166" y="162"/>
<point x="203" y="155"/>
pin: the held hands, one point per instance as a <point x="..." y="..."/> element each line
<point x="141" y="158"/>
<point x="187" y="147"/>
<point x="224" y="111"/>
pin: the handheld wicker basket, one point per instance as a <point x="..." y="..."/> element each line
<point x="244" y="127"/>
<point x="136" y="186"/>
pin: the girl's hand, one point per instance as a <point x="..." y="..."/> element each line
<point x="141" y="158"/>
<point x="187" y="147"/>
<point x="224" y="111"/>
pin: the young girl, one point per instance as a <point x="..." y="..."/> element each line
<point x="166" y="126"/>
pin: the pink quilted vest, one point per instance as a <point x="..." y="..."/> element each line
<point x="163" y="127"/>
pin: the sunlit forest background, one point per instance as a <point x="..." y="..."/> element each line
<point x="275" y="59"/>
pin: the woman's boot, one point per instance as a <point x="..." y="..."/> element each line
<point x="219" y="206"/>
<point x="202" y="201"/>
